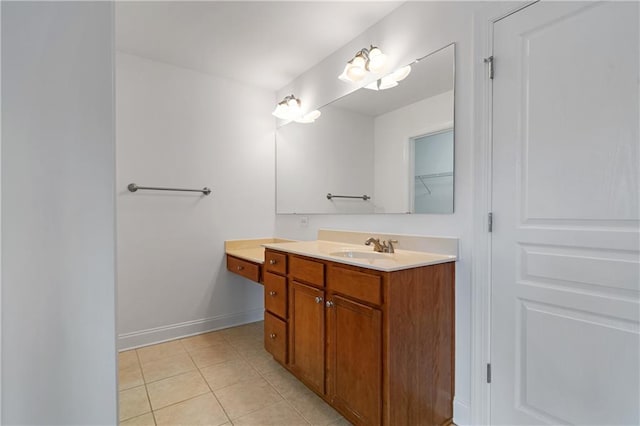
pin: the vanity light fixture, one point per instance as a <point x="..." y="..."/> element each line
<point x="390" y="80"/>
<point x="290" y="108"/>
<point x="366" y="60"/>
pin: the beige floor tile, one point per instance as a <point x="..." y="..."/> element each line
<point x="130" y="377"/>
<point x="313" y="408"/>
<point x="160" y="351"/>
<point x="284" y="382"/>
<point x="176" y="389"/>
<point x="215" y="354"/>
<point x="246" y="397"/>
<point x="167" y="367"/>
<point x="248" y="330"/>
<point x="228" y="373"/>
<point x="264" y="363"/>
<point x="133" y="402"/>
<point x="128" y="359"/>
<point x="341" y="422"/>
<point x="246" y="344"/>
<point x="277" y="414"/>
<point x="144" y="420"/>
<point x="202" y="410"/>
<point x="203" y="340"/>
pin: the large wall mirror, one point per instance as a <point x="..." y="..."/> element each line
<point x="391" y="150"/>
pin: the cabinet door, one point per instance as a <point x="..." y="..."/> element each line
<point x="306" y="334"/>
<point x="354" y="359"/>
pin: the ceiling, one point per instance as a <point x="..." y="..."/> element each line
<point x="263" y="44"/>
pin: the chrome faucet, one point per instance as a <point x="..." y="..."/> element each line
<point x="381" y="248"/>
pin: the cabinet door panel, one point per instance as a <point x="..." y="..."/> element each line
<point x="306" y="344"/>
<point x="354" y="359"/>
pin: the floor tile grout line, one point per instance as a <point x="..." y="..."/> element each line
<point x="239" y="354"/>
<point x="214" y="394"/>
<point x="146" y="390"/>
<point x="211" y="390"/>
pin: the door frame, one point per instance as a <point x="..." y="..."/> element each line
<point x="484" y="21"/>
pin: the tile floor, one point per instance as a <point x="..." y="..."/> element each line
<point x="220" y="378"/>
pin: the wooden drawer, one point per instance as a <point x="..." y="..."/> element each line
<point x="275" y="337"/>
<point x="355" y="284"/>
<point x="275" y="262"/>
<point x="306" y="270"/>
<point x="275" y="294"/>
<point x="244" y="267"/>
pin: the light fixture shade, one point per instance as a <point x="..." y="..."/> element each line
<point x="288" y="109"/>
<point x="373" y="85"/>
<point x="387" y="82"/>
<point x="355" y="70"/>
<point x="377" y="60"/>
<point x="401" y="73"/>
<point x="309" y="117"/>
<point x="281" y="111"/>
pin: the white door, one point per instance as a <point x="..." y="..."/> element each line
<point x="565" y="242"/>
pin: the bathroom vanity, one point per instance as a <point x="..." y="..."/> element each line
<point x="371" y="333"/>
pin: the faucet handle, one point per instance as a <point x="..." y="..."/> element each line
<point x="391" y="249"/>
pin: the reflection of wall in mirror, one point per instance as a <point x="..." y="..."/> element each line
<point x="393" y="133"/>
<point x="433" y="182"/>
<point x="333" y="154"/>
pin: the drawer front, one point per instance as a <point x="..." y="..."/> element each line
<point x="359" y="285"/>
<point x="275" y="294"/>
<point x="306" y="270"/>
<point x="275" y="262"/>
<point x="275" y="337"/>
<point x="244" y="267"/>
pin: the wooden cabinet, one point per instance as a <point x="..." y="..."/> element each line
<point x="378" y="346"/>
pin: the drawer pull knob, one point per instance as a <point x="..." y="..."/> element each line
<point x="329" y="304"/>
<point x="273" y="336"/>
<point x="240" y="268"/>
<point x="273" y="293"/>
<point x="272" y="262"/>
<point x="318" y="299"/>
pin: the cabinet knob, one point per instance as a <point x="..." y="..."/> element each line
<point x="273" y="336"/>
<point x="318" y="299"/>
<point x="273" y="293"/>
<point x="240" y="268"/>
<point x="329" y="304"/>
<point x="272" y="261"/>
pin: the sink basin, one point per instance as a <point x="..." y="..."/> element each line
<point x="355" y="254"/>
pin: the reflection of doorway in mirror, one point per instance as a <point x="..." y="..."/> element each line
<point x="432" y="183"/>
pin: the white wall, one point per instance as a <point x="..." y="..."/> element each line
<point x="393" y="133"/>
<point x="181" y="128"/>
<point x="58" y="231"/>
<point x="412" y="30"/>
<point x="333" y="155"/>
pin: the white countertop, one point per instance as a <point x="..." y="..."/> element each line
<point x="362" y="255"/>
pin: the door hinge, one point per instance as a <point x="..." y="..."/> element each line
<point x="489" y="61"/>
<point x="488" y="373"/>
<point x="490" y="221"/>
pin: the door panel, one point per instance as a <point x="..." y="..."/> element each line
<point x="354" y="359"/>
<point x="565" y="243"/>
<point x="306" y="334"/>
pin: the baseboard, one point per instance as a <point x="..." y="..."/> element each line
<point x="151" y="336"/>
<point x="461" y="413"/>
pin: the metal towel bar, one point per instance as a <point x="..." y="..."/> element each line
<point x="133" y="188"/>
<point x="362" y="197"/>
